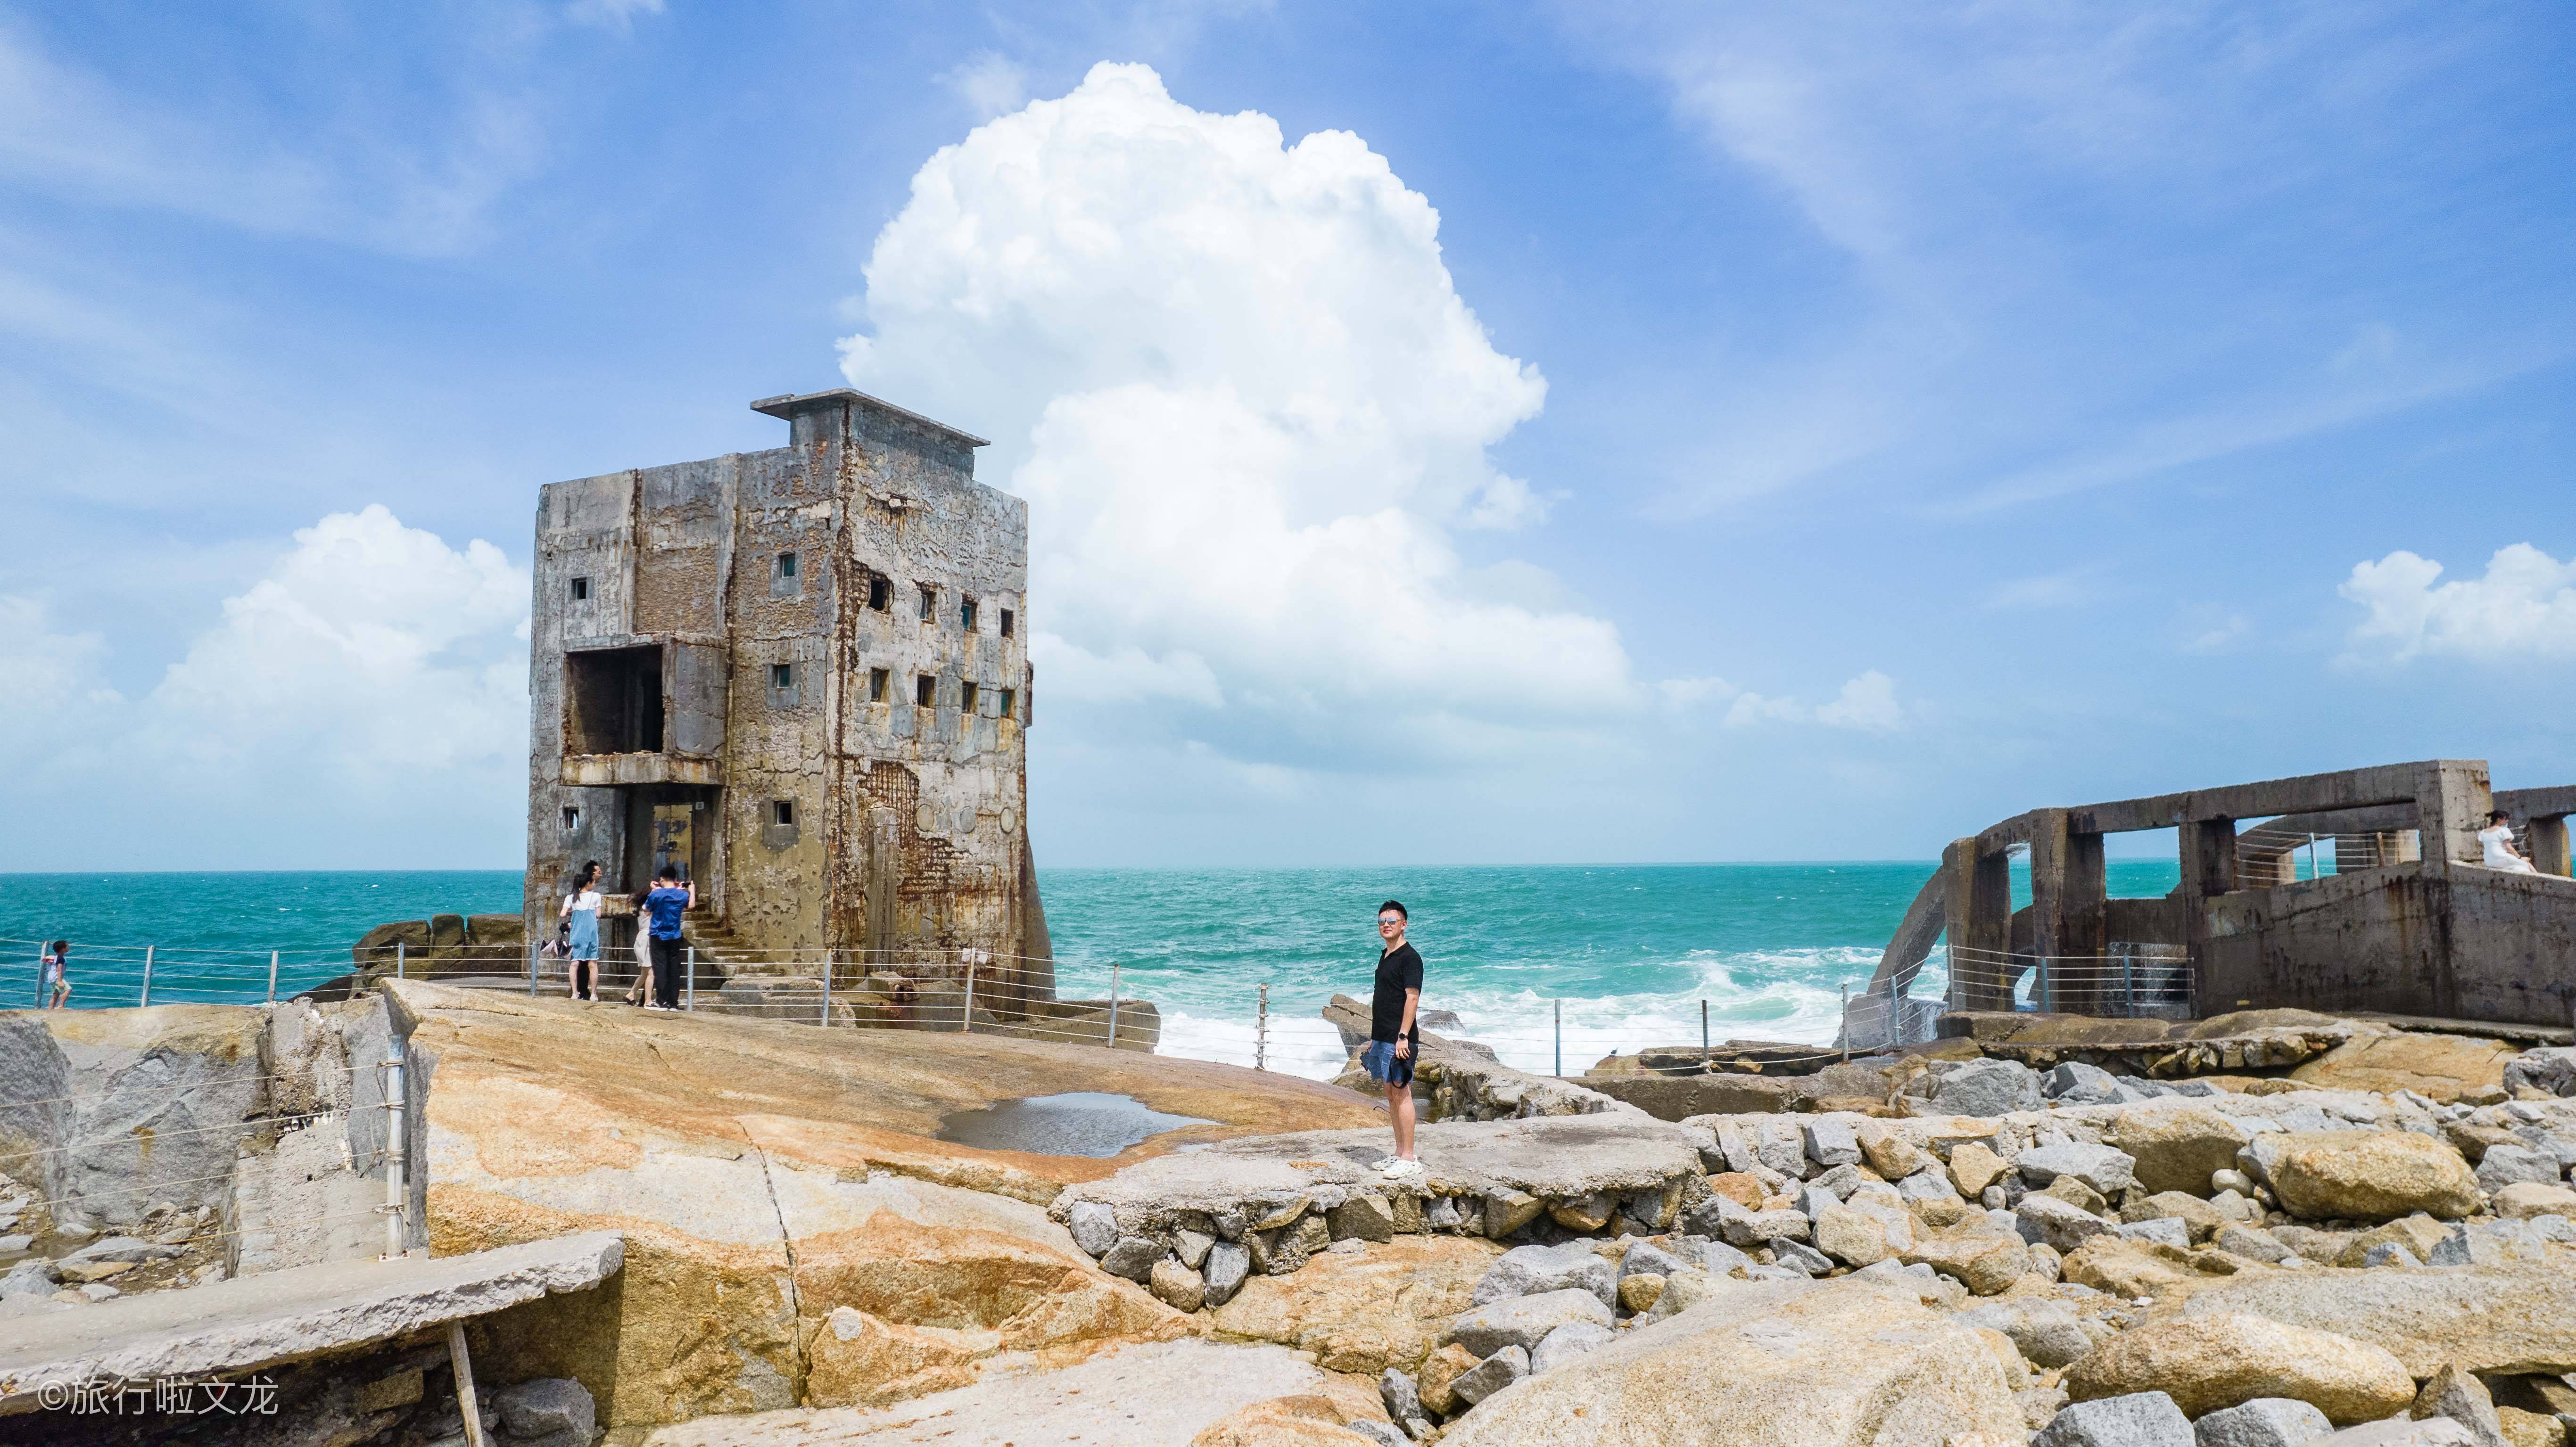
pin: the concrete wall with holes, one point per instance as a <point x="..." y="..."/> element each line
<point x="804" y="602"/>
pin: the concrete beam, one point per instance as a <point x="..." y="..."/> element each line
<point x="228" y="1328"/>
<point x="2304" y="794"/>
<point x="2555" y="802"/>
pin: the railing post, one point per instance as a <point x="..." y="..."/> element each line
<point x="398" y="959"/>
<point x="1113" y="1007"/>
<point x="1560" y="1038"/>
<point x="1703" y="1036"/>
<point x="827" y="985"/>
<point x="272" y="977"/>
<point x="1261" y="1031"/>
<point x="966" y="1020"/>
<point x="532" y="971"/>
<point x="147" y="974"/>
<point x="395" y="1192"/>
<point x="689" y="986"/>
<point x="1845" y="992"/>
<point x="2129" y="979"/>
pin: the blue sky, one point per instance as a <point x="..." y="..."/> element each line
<point x="1620" y="432"/>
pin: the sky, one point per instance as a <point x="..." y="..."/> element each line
<point x="1453" y="433"/>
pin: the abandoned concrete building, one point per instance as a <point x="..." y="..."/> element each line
<point x="2360" y="891"/>
<point x="801" y="675"/>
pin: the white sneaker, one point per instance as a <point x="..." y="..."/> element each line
<point x="1403" y="1168"/>
<point x="1382" y="1163"/>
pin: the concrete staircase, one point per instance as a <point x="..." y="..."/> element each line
<point x="734" y="979"/>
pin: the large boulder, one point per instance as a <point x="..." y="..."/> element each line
<point x="2177" y="1147"/>
<point x="2441" y="1068"/>
<point x="1522" y="1321"/>
<point x="2209" y="1362"/>
<point x="2366" y="1175"/>
<point x="1528" y="1270"/>
<point x="2507" y="1318"/>
<point x="1987" y="1088"/>
<point x="1839" y="1364"/>
<point x="2549" y="1071"/>
<point x="1363" y="1311"/>
<point x="112" y="1112"/>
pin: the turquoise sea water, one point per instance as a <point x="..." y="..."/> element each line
<point x="1624" y="954"/>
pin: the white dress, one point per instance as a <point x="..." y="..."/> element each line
<point x="2498" y="843"/>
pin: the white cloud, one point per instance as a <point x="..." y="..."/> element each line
<point x="1867" y="703"/>
<point x="1248" y="408"/>
<point x="617" y="15"/>
<point x="991" y="84"/>
<point x="1682" y="693"/>
<point x="2220" y="636"/>
<point x="373" y="667"/>
<point x="2525" y="607"/>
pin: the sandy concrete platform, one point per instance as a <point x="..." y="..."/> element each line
<point x="250" y="1322"/>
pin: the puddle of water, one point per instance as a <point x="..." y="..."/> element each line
<point x="1078" y="1123"/>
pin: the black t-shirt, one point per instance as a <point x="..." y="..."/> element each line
<point x="1398" y="970"/>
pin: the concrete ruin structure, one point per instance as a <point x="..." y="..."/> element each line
<point x="2359" y="891"/>
<point x="802" y="675"/>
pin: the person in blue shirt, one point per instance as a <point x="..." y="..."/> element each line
<point x="671" y="897"/>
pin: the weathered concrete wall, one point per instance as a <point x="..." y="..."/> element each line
<point x="840" y="813"/>
<point x="2412" y="939"/>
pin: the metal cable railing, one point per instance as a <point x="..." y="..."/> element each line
<point x="2132" y="980"/>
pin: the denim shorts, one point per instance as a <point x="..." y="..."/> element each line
<point x="1383" y="1067"/>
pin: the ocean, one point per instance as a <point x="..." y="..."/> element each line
<point x="1542" y="962"/>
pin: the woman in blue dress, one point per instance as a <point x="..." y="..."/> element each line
<point x="582" y="908"/>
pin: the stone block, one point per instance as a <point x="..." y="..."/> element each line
<point x="2140" y="1419"/>
<point x="2263" y="1422"/>
<point x="1491" y="1375"/>
<point x="1522" y="1321"/>
<point x="1362" y="1218"/>
<point x="2102" y="1168"/>
<point x="1229" y="1264"/>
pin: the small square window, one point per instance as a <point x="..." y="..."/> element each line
<point x="880" y="594"/>
<point x="581" y="590"/>
<point x="782" y="676"/>
<point x="925" y="690"/>
<point x="1010" y="701"/>
<point x="929" y="603"/>
<point x="571" y="819"/>
<point x="878" y="680"/>
<point x="782" y="811"/>
<point x="1007" y="620"/>
<point x="786" y="565"/>
<point x="966" y="698"/>
<point x="966" y="614"/>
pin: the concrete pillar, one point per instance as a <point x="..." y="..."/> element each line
<point x="2451" y="805"/>
<point x="2547" y="841"/>
<point x="1979" y="916"/>
<point x="2070" y="910"/>
<point x="2208" y="870"/>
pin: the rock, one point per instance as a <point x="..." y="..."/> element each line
<point x="556" y="1411"/>
<point x="2231" y="1180"/>
<point x="2434" y="1432"/>
<point x="1192" y="1247"/>
<point x="1918" y="1283"/>
<point x="1584" y="1214"/>
<point x="2105" y="1170"/>
<point x="2365" y="1175"/>
<point x="2163" y="1231"/>
<point x="1974" y="1167"/>
<point x="2251" y="1242"/>
<point x="2046" y="1219"/>
<point x="2263" y="1422"/>
<point x="1439" y="1370"/>
<point x="1362" y="1218"/>
<point x="2202" y="1220"/>
<point x="99" y="1291"/>
<point x="2516" y="1317"/>
<point x="2441" y="1068"/>
<point x="2075" y="1083"/>
<point x="1228" y="1266"/>
<point x="34" y="1277"/>
<point x="1837" y="1364"/>
<point x="2461" y="1397"/>
<point x="1984" y="1264"/>
<point x="1177" y="1286"/>
<point x="1381" y="1433"/>
<point x="1522" y="1321"/>
<point x="2504" y="1166"/>
<point x="1987" y="1087"/>
<point x="1508" y="1210"/>
<point x="1361" y="1313"/>
<point x="1094" y="1227"/>
<point x="2177" y="1147"/>
<point x="1891" y="1155"/>
<point x="1530" y="1270"/>
<point x="1852" y="1237"/>
<point x="2532" y="1429"/>
<point x="1568" y="1342"/>
<point x="2209" y="1362"/>
<point x="1134" y="1257"/>
<point x="128" y="1249"/>
<point x="1638" y="1293"/>
<point x="2388" y="1253"/>
<point x="2142" y="1419"/>
<point x="1491" y="1375"/>
<point x="1801" y="1258"/>
<point x="2042" y="1330"/>
<point x="1396" y="1389"/>
<point x="1748" y="1229"/>
<point x="2550" y="1071"/>
<point x="2524" y="1200"/>
<point x="2418" y="1234"/>
<point x="2079" y="1195"/>
<point x="1831" y="1142"/>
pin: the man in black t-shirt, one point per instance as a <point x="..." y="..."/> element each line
<point x="1394" y="1036"/>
